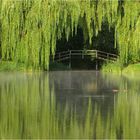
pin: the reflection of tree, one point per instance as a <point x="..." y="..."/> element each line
<point x="29" y="108"/>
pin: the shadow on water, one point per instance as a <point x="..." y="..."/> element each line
<point x="73" y="104"/>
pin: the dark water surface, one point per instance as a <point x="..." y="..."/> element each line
<point x="69" y="104"/>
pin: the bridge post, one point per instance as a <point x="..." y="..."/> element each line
<point x="96" y="64"/>
<point x="70" y="60"/>
<point x="82" y="54"/>
<point x="107" y="56"/>
<point x="59" y="56"/>
<point x="96" y="53"/>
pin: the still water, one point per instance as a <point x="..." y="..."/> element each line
<point x="73" y="104"/>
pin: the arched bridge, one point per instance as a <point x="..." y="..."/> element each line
<point x="61" y="56"/>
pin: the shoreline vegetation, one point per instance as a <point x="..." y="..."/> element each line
<point x="115" y="68"/>
<point x="8" y="66"/>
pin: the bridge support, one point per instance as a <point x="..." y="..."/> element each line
<point x="82" y="54"/>
<point x="69" y="59"/>
<point x="70" y="64"/>
<point x="96" y="65"/>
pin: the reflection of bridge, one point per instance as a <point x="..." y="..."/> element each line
<point x="101" y="55"/>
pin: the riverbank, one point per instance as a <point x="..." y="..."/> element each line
<point x="9" y="66"/>
<point x="115" y="68"/>
<point x="13" y="66"/>
<point x="112" y="68"/>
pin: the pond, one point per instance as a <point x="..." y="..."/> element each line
<point x="69" y="104"/>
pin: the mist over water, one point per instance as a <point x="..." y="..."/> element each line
<point x="69" y="104"/>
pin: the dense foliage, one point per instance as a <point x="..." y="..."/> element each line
<point x="29" y="28"/>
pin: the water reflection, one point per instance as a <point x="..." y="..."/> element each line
<point x="69" y="105"/>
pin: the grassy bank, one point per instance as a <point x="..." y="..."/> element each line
<point x="13" y="66"/>
<point x="115" y="68"/>
<point x="132" y="71"/>
<point x="132" y="68"/>
<point x="112" y="68"/>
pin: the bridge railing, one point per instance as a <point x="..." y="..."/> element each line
<point x="83" y="52"/>
<point x="93" y="53"/>
<point x="106" y="56"/>
<point x="62" y="56"/>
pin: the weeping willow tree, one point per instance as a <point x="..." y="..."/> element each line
<point x="29" y="29"/>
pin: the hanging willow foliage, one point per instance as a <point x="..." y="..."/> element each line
<point x="29" y="28"/>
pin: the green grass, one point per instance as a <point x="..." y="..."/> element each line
<point x="115" y="67"/>
<point x="13" y="66"/>
<point x="112" y="67"/>
<point x="131" y="69"/>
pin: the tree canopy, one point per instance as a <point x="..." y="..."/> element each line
<point x="29" y="29"/>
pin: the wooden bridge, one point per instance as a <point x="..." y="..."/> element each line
<point x="61" y="56"/>
<point x="94" y="54"/>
